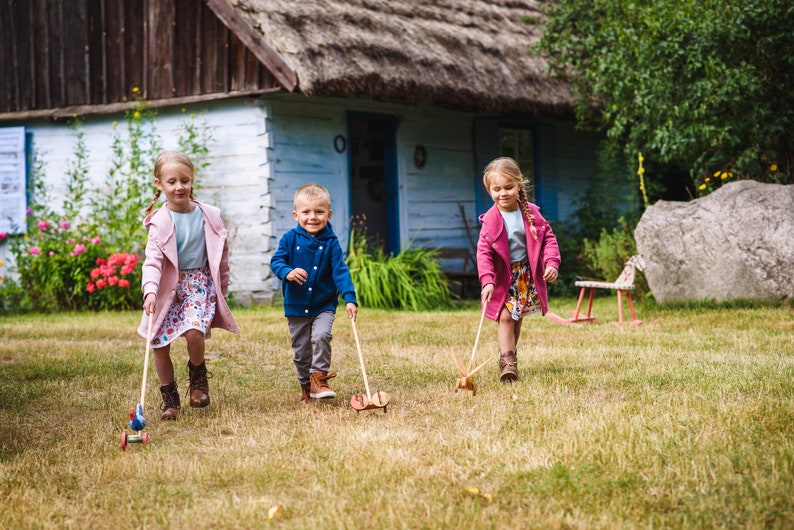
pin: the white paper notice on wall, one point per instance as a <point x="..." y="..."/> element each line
<point x="13" y="172"/>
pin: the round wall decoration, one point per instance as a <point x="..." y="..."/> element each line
<point x="340" y="144"/>
<point x="420" y="156"/>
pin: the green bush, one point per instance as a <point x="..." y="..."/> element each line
<point x="409" y="280"/>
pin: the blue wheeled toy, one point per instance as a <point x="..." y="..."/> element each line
<point x="137" y="421"/>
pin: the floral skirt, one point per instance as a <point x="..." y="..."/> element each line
<point x="193" y="307"/>
<point x="522" y="298"/>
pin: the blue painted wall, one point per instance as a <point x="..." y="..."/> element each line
<point x="301" y="133"/>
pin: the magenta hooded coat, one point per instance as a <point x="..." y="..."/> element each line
<point x="493" y="257"/>
<point x="160" y="272"/>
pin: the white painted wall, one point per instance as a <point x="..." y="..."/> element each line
<point x="235" y="180"/>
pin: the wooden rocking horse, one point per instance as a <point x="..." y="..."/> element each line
<point x="624" y="284"/>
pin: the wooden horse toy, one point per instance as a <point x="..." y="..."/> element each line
<point x="466" y="381"/>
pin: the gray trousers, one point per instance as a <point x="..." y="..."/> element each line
<point x="311" y="343"/>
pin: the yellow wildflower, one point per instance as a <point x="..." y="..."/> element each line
<point x="136" y="115"/>
<point x="773" y="167"/>
<point x="115" y="123"/>
<point x="702" y="187"/>
<point x="708" y="179"/>
<point x="135" y="90"/>
<point x="192" y="115"/>
<point x="717" y="173"/>
<point x="723" y="175"/>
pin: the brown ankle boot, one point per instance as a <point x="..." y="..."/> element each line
<point x="199" y="386"/>
<point x="169" y="410"/>
<point x="306" y="398"/>
<point x="319" y="385"/>
<point x="508" y="367"/>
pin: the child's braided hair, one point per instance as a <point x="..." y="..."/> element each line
<point x="169" y="157"/>
<point x="507" y="167"/>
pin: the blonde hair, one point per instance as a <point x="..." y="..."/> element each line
<point x="170" y="157"/>
<point x="310" y="192"/>
<point x="507" y="167"/>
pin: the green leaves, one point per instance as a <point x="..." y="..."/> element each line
<point x="705" y="84"/>
<point x="409" y="280"/>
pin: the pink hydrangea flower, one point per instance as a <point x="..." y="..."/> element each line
<point x="78" y="249"/>
<point x="65" y="225"/>
<point x="34" y="251"/>
<point x="97" y="240"/>
<point x="43" y="225"/>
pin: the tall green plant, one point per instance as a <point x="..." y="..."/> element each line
<point x="409" y="280"/>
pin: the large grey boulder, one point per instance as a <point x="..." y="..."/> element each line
<point x="737" y="242"/>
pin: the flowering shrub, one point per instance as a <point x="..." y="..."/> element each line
<point x="115" y="282"/>
<point x="711" y="183"/>
<point x="53" y="262"/>
<point x="76" y="258"/>
<point x="56" y="264"/>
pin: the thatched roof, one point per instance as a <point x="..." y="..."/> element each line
<point x="468" y="54"/>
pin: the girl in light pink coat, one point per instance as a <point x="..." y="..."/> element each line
<point x="517" y="253"/>
<point x="185" y="278"/>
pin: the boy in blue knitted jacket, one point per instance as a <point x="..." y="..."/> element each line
<point x="311" y="265"/>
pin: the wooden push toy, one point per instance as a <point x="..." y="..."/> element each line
<point x="466" y="381"/>
<point x="137" y="421"/>
<point x="359" y="401"/>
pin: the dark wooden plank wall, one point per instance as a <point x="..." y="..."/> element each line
<point x="66" y="53"/>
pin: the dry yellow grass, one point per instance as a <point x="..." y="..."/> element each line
<point x="684" y="422"/>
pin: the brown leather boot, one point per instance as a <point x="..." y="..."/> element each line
<point x="169" y="410"/>
<point x="199" y="386"/>
<point x="306" y="398"/>
<point x="319" y="385"/>
<point x="508" y="367"/>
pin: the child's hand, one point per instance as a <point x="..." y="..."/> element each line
<point x="352" y="310"/>
<point x="298" y="276"/>
<point x="485" y="294"/>
<point x="550" y="274"/>
<point x="150" y="303"/>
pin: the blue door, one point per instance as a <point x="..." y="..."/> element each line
<point x="373" y="177"/>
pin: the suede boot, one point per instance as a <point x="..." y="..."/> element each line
<point x="319" y="385"/>
<point x="169" y="410"/>
<point x="199" y="386"/>
<point x="508" y="367"/>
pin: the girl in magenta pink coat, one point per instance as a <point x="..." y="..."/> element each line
<point x="185" y="278"/>
<point x="517" y="253"/>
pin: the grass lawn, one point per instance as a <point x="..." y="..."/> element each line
<point x="686" y="421"/>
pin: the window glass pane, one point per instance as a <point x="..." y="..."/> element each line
<point x="517" y="144"/>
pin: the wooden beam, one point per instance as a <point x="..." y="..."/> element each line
<point x="65" y="113"/>
<point x="254" y="41"/>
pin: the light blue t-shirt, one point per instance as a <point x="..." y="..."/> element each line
<point x="516" y="234"/>
<point x="190" y="242"/>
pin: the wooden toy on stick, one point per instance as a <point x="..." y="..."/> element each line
<point x="466" y="381"/>
<point x="359" y="401"/>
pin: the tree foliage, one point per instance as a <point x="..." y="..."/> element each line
<point x="702" y="83"/>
